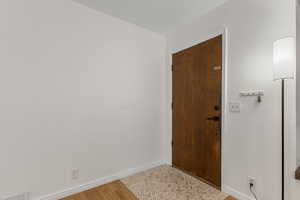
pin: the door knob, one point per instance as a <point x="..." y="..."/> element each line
<point x="214" y="118"/>
<point x="217" y="108"/>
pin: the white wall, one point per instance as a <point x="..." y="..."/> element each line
<point x="252" y="144"/>
<point x="78" y="89"/>
<point x="298" y="84"/>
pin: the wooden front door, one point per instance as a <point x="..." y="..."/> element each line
<point x="197" y="79"/>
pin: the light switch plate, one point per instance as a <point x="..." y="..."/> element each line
<point x="235" y="107"/>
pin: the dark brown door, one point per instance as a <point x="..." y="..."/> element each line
<point x="197" y="78"/>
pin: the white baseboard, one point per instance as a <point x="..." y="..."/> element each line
<point x="236" y="194"/>
<point x="98" y="182"/>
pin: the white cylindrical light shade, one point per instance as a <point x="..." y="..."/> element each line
<point x="284" y="58"/>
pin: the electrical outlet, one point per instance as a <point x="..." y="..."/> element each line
<point x="235" y="107"/>
<point x="74" y="174"/>
<point x="251" y="181"/>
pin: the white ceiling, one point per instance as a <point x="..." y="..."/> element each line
<point x="156" y="15"/>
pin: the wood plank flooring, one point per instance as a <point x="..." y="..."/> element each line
<point x="230" y="198"/>
<point x="112" y="191"/>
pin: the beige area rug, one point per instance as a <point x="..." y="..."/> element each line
<point x="167" y="183"/>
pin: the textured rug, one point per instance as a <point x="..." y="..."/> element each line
<point x="167" y="183"/>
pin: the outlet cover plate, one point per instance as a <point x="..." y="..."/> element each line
<point x="75" y="174"/>
<point x="251" y="180"/>
<point x="235" y="107"/>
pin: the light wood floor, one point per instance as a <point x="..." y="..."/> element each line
<point x="112" y="191"/>
<point x="231" y="198"/>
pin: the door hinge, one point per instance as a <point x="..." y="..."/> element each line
<point x="172" y="68"/>
<point x="172" y="105"/>
<point x="172" y="143"/>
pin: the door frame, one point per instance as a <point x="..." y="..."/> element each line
<point x="224" y="33"/>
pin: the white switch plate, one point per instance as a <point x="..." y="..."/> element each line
<point x="235" y="107"/>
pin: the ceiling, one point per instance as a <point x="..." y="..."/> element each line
<point x="156" y="15"/>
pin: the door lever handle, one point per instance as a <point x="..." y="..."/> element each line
<point x="214" y="118"/>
